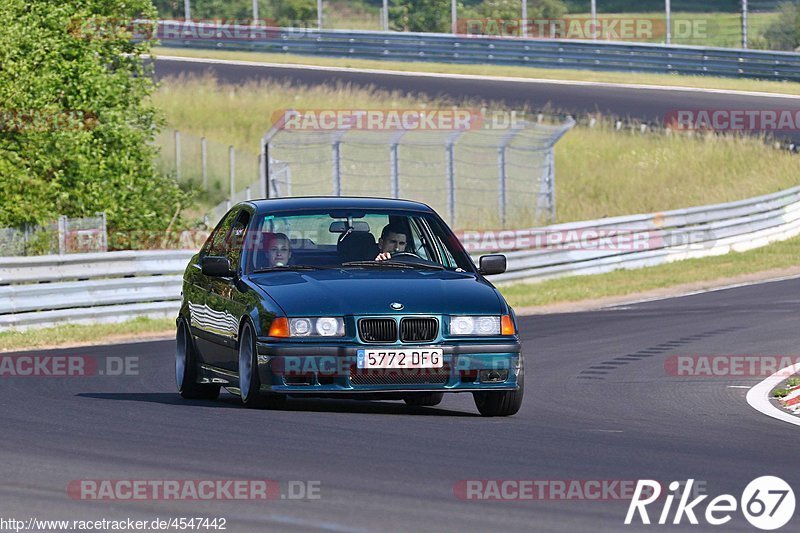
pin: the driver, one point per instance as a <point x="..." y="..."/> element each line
<point x="279" y="251"/>
<point x="393" y="240"/>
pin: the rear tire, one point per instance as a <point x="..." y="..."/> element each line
<point x="186" y="370"/>
<point x="429" y="399"/>
<point x="501" y="403"/>
<point x="249" y="380"/>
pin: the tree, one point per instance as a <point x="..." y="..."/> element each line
<point x="784" y="32"/>
<point x="420" y="15"/>
<point x="434" y="15"/>
<point x="76" y="125"/>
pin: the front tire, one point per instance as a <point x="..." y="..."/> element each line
<point x="249" y="380"/>
<point x="501" y="403"/>
<point x="186" y="368"/>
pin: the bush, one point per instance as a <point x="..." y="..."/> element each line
<point x="784" y="32"/>
<point x="76" y="125"/>
<point x="420" y="15"/>
<point x="289" y="12"/>
<point x="434" y="15"/>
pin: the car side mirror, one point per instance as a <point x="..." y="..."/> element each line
<point x="216" y="266"/>
<point x="492" y="264"/>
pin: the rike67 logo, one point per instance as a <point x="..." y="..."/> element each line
<point x="767" y="503"/>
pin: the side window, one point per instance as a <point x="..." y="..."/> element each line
<point x="215" y="245"/>
<point x="419" y="240"/>
<point x="236" y="239"/>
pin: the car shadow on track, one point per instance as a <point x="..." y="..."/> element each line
<point x="317" y="405"/>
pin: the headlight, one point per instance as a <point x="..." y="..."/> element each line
<point x="475" y="325"/>
<point x="316" y="327"/>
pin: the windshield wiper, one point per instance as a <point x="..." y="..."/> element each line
<point x="391" y="264"/>
<point x="286" y="268"/>
<point x="370" y="264"/>
<point x="415" y="265"/>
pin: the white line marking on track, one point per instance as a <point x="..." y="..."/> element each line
<point x="758" y="396"/>
<point x="513" y="79"/>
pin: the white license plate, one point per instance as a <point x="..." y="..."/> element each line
<point x="403" y="358"/>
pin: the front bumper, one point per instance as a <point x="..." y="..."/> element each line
<point x="294" y="368"/>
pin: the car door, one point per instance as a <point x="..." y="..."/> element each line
<point x="216" y="322"/>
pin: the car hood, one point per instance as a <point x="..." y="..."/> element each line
<point x="337" y="292"/>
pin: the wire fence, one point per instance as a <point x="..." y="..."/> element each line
<point x="483" y="178"/>
<point x="725" y="23"/>
<point x="62" y="236"/>
<point x="215" y="169"/>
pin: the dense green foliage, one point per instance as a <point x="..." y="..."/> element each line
<point x="77" y="126"/>
<point x="645" y="6"/>
<point x="434" y="15"/>
<point x="279" y="12"/>
<point x="784" y="32"/>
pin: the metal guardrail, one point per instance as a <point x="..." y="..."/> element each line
<point x="47" y="290"/>
<point x="96" y="287"/>
<point x="664" y="237"/>
<point x="450" y="48"/>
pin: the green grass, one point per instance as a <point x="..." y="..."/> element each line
<point x="624" y="282"/>
<point x="607" y="173"/>
<point x="671" y="80"/>
<point x="707" y="29"/>
<point x="599" y="172"/>
<point x="83" y="334"/>
<point x="346" y="15"/>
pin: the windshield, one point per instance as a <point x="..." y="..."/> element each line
<point x="343" y="239"/>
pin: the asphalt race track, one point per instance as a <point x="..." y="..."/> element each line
<point x="649" y="105"/>
<point x="599" y="405"/>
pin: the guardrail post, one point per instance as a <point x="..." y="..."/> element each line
<point x="247" y="193"/>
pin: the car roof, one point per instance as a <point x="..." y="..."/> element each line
<point x="309" y="203"/>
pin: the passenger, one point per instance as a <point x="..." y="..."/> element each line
<point x="393" y="239"/>
<point x="279" y="250"/>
